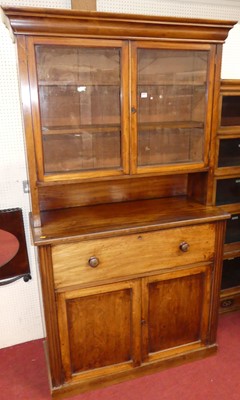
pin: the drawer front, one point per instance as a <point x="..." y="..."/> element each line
<point x="126" y="256"/>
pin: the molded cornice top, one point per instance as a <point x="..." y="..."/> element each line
<point x="59" y="22"/>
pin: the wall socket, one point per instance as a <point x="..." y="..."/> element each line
<point x="26" y="188"/>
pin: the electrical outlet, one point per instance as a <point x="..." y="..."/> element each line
<point x="26" y="188"/>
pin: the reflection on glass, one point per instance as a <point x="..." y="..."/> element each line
<point x="79" y="96"/>
<point x="171" y="105"/>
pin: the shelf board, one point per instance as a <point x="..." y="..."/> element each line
<point x="68" y="130"/>
<point x="77" y="84"/>
<point x="171" y="124"/>
<point x="115" y="128"/>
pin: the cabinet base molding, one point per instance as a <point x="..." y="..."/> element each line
<point x="75" y="388"/>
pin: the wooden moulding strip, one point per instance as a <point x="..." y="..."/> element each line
<point x="74" y="23"/>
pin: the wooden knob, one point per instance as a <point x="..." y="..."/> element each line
<point x="184" y="246"/>
<point x="93" y="262"/>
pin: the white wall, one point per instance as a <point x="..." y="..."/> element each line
<point x="20" y="302"/>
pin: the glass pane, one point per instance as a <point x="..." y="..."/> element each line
<point x="228" y="191"/>
<point x="233" y="229"/>
<point x="171" y="106"/>
<point x="230" y="111"/>
<point x="79" y="95"/>
<point x="229" y="153"/>
<point x="231" y="273"/>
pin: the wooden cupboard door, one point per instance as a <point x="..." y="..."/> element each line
<point x="175" y="312"/>
<point x="81" y="109"/>
<point x="170" y="106"/>
<point x="100" y="329"/>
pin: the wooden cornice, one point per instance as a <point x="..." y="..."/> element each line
<point x="72" y="23"/>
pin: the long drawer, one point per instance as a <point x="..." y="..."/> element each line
<point x="125" y="256"/>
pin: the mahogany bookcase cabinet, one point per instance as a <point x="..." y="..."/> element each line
<point x="120" y="116"/>
<point x="227" y="189"/>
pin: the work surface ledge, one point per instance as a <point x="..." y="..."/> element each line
<point x="105" y="220"/>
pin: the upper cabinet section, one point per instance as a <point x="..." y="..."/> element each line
<point x="87" y="125"/>
<point x="116" y="104"/>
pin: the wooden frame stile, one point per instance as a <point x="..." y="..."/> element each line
<point x="204" y="191"/>
<point x="28" y="125"/>
<point x="216" y="279"/>
<point x="215" y="112"/>
<point x="50" y="312"/>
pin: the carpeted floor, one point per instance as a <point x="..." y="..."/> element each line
<point x="23" y="374"/>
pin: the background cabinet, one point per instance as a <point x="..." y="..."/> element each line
<point x="120" y="115"/>
<point x="227" y="178"/>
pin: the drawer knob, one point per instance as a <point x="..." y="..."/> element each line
<point x="184" y="246"/>
<point x="93" y="262"/>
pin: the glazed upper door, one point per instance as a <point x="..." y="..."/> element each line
<point x="171" y="100"/>
<point x="79" y="96"/>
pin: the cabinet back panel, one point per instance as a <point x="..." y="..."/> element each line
<point x="73" y="195"/>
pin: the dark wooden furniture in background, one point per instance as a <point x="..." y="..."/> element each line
<point x="17" y="264"/>
<point x="121" y="113"/>
<point x="227" y="184"/>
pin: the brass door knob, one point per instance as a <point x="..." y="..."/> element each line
<point x="184" y="246"/>
<point x="93" y="262"/>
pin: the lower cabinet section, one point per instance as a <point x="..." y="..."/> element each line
<point x="124" y="305"/>
<point x="113" y="328"/>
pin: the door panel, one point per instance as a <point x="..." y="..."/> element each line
<point x="99" y="328"/>
<point x="175" y="313"/>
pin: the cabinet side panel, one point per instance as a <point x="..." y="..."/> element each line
<point x="27" y="118"/>
<point x="220" y="235"/>
<point x="50" y="311"/>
